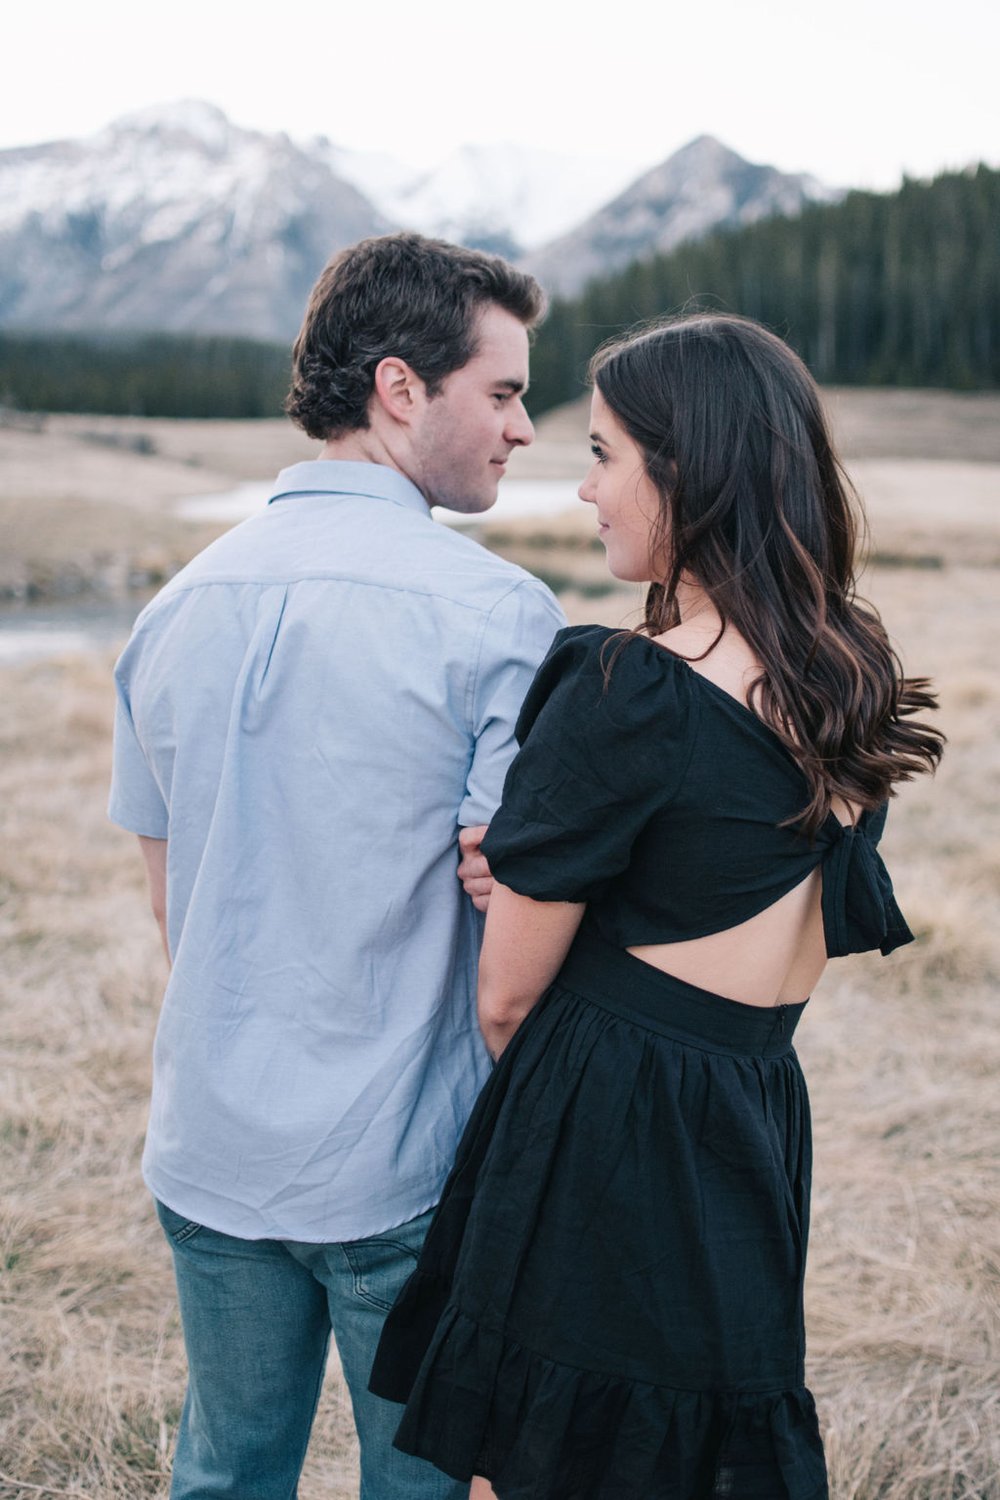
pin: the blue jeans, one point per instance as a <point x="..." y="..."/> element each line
<point x="257" y="1317"/>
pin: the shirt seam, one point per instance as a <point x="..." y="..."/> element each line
<point x="286" y="583"/>
<point x="473" y="688"/>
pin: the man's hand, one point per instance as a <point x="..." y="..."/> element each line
<point x="473" y="869"/>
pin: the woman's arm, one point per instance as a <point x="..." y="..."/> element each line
<point x="523" y="949"/>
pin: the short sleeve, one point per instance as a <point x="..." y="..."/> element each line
<point x="136" y="801"/>
<point x="601" y="754"/>
<point x="515" y="638"/>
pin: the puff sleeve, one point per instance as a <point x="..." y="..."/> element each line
<point x="600" y="756"/>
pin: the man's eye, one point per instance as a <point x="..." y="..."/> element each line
<point x="501" y="396"/>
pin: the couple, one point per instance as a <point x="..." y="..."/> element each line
<point x="315" y="722"/>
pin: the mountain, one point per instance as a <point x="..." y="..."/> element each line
<point x="505" y="198"/>
<point x="171" y="219"/>
<point x="701" y="187"/>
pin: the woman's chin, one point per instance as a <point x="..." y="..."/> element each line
<point x="629" y="572"/>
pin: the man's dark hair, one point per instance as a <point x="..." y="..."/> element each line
<point x="395" y="295"/>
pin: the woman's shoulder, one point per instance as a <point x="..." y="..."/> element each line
<point x="607" y="682"/>
<point x="624" y="661"/>
<point x="574" y="644"/>
<point x="583" y="648"/>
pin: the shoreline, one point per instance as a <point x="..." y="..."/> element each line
<point x="90" y="505"/>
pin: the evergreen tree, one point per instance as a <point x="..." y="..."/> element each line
<point x="149" y="375"/>
<point x="879" y="289"/>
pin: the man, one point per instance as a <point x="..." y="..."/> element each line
<point x="307" y="715"/>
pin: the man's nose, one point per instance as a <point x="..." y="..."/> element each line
<point x="519" y="429"/>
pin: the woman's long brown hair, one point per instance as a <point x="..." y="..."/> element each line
<point x="755" y="508"/>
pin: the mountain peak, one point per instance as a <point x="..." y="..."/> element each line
<point x="171" y="218"/>
<point x="503" y="195"/>
<point x="196" y="118"/>
<point x="705" y="149"/>
<point x="703" y="186"/>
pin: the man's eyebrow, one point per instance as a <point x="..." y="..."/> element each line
<point x="514" y="386"/>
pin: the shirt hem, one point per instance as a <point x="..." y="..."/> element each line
<point x="245" y="1223"/>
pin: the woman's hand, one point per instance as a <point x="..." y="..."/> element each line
<point x="523" y="950"/>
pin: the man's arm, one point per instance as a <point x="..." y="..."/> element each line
<point x="136" y="802"/>
<point x="517" y="636"/>
<point x="154" y="854"/>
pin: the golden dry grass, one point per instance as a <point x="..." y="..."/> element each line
<point x="901" y="1054"/>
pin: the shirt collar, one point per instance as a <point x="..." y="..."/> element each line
<point x="334" y="476"/>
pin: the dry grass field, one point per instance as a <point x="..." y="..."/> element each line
<point x="902" y="1054"/>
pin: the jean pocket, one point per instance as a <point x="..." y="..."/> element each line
<point x="176" y="1227"/>
<point x="380" y="1268"/>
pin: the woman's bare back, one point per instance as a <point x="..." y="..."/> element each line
<point x="777" y="956"/>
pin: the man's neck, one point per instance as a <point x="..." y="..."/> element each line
<point x="368" y="445"/>
<point x="360" y="447"/>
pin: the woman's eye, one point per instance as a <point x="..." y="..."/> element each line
<point x="599" y="453"/>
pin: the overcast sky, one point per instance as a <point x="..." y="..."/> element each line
<point x="855" y="91"/>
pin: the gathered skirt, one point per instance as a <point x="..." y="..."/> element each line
<point x="608" y="1305"/>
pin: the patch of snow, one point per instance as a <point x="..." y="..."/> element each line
<point x="525" y="193"/>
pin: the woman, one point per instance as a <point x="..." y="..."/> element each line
<point x="609" y="1304"/>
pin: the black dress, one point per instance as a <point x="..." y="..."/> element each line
<point x="609" y="1302"/>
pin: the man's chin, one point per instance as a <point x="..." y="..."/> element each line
<point x="468" y="505"/>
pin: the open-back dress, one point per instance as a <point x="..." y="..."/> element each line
<point x="609" y="1302"/>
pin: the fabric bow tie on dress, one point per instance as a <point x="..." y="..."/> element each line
<point x="859" y="908"/>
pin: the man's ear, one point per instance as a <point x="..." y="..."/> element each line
<point x="398" y="389"/>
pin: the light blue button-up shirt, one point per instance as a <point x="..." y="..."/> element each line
<point x="307" y="713"/>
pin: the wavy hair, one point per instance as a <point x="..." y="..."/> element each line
<point x="755" y="507"/>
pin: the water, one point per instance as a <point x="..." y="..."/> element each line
<point x="35" y="631"/>
<point x="519" y="498"/>
<point x="32" y="632"/>
<point x="228" y="505"/>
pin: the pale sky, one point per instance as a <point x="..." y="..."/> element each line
<point x="856" y="91"/>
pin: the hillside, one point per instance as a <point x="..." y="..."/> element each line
<point x="880" y="289"/>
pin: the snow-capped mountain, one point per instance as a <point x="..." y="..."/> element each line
<point x="173" y="219"/>
<point x="701" y="187"/>
<point x="378" y="176"/>
<point x="506" y="198"/>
